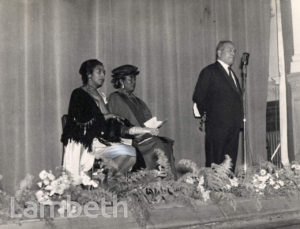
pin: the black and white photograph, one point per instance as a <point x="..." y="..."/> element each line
<point x="149" y="114"/>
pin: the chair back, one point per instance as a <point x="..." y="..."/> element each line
<point x="64" y="120"/>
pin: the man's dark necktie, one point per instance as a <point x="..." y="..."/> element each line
<point x="231" y="76"/>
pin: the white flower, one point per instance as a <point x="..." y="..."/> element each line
<point x="51" y="176"/>
<point x="64" y="176"/>
<point x="52" y="192"/>
<point x="280" y="182"/>
<point x="39" y="194"/>
<point x="234" y="182"/>
<point x="46" y="181"/>
<point x="60" y="190"/>
<point x="57" y="186"/>
<point x="55" y="183"/>
<point x="272" y="182"/>
<point x="263" y="172"/>
<point x="228" y="186"/>
<point x="205" y="195"/>
<point x="276" y="186"/>
<point x="276" y="175"/>
<point x="43" y="174"/>
<point x="40" y="184"/>
<point x="200" y="188"/>
<point x="94" y="184"/>
<point x="201" y="180"/>
<point x="43" y="198"/>
<point x="49" y="187"/>
<point x="262" y="186"/>
<point x="189" y="180"/>
<point x="255" y="178"/>
<point x="263" y="178"/>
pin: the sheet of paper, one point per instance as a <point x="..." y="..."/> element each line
<point x="154" y="123"/>
<point x="196" y="111"/>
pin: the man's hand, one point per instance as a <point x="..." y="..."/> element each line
<point x="202" y="122"/>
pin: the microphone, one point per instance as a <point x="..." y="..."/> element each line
<point x="245" y="58"/>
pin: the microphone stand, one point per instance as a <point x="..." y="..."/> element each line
<point x="244" y="76"/>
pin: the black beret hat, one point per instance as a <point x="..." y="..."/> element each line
<point x="124" y="70"/>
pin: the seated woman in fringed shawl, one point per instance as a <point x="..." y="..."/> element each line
<point x="124" y="103"/>
<point x="91" y="131"/>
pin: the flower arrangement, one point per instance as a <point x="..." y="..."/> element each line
<point x="264" y="179"/>
<point x="269" y="180"/>
<point x="50" y="185"/>
<point x="143" y="189"/>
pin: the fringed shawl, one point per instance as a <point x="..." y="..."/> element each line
<point x="86" y="122"/>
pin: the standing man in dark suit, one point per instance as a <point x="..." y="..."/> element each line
<point x="218" y="96"/>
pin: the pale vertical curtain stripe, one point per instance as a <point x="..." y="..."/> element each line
<point x="232" y="17"/>
<point x="26" y="82"/>
<point x="142" y="33"/>
<point x="57" y="56"/>
<point x="97" y="28"/>
<point x="246" y="24"/>
<point x="41" y="78"/>
<point x="43" y="43"/>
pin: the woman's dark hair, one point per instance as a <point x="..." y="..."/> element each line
<point x="87" y="68"/>
<point x="119" y="74"/>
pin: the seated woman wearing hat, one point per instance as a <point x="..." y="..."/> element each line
<point x="91" y="132"/>
<point x="124" y="103"/>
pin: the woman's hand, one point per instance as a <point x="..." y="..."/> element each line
<point x="136" y="130"/>
<point x="152" y="131"/>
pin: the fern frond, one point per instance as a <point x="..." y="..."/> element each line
<point x="162" y="159"/>
<point x="224" y="168"/>
<point x="186" y="166"/>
